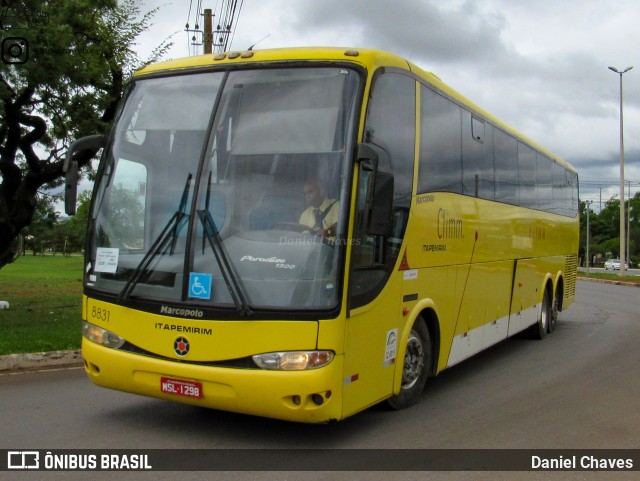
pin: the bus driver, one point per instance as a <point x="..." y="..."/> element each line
<point x="322" y="213"/>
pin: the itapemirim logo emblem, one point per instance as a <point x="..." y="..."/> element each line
<point x="181" y="346"/>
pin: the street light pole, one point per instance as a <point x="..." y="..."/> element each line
<point x="588" y="205"/>
<point x="629" y="224"/>
<point x="622" y="216"/>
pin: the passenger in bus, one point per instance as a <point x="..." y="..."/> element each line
<point x="321" y="215"/>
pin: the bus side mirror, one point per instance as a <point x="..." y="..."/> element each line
<point x="379" y="198"/>
<point x="91" y="143"/>
<point x="71" y="188"/>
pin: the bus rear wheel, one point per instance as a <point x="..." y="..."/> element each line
<point x="539" y="329"/>
<point x="553" y="320"/>
<point x="416" y="367"/>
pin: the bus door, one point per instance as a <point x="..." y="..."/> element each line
<point x="372" y="327"/>
<point x="384" y="190"/>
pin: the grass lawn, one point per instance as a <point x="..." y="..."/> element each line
<point x="45" y="296"/>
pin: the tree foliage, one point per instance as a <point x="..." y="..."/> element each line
<point x="37" y="235"/>
<point x="75" y="229"/>
<point x="604" y="229"/>
<point x="62" y="75"/>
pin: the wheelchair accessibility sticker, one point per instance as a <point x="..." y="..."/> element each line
<point x="200" y="285"/>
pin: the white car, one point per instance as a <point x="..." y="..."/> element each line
<point x="614" y="264"/>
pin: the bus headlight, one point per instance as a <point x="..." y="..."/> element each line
<point x="101" y="336"/>
<point x="293" y="360"/>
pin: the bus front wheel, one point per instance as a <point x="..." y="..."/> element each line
<point x="416" y="367"/>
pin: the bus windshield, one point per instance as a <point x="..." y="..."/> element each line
<point x="227" y="189"/>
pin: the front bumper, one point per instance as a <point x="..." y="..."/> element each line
<point x="312" y="396"/>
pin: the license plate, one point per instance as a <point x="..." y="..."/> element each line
<point x="192" y="389"/>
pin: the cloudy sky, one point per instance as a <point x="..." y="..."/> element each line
<point x="539" y="65"/>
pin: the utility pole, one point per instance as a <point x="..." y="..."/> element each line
<point x="600" y="205"/>
<point x="207" y="39"/>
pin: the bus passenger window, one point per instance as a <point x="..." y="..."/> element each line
<point x="477" y="157"/>
<point x="506" y="164"/>
<point x="527" y="177"/>
<point x="440" y="144"/>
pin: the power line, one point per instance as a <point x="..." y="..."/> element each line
<point x="226" y="14"/>
<point x="233" y="33"/>
<point x="223" y="26"/>
<point x="195" y="34"/>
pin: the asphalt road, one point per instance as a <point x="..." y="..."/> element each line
<point x="578" y="388"/>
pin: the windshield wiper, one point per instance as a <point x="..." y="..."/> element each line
<point x="169" y="234"/>
<point x="230" y="276"/>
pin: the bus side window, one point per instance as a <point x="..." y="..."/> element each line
<point x="477" y="157"/>
<point x="441" y="145"/>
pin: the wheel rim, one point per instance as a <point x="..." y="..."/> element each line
<point x="413" y="361"/>
<point x="544" y="315"/>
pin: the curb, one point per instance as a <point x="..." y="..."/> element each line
<point x="35" y="361"/>
<point x="608" y="281"/>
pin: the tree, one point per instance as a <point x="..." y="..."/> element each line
<point x="39" y="234"/>
<point x="604" y="229"/>
<point x="76" y="227"/>
<point x="634" y="229"/>
<point x="62" y="75"/>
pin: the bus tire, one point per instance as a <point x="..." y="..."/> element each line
<point x="539" y="329"/>
<point x="416" y="366"/>
<point x="553" y="319"/>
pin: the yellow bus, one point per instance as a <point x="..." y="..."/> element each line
<point x="303" y="233"/>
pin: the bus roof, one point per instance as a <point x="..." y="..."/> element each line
<point x="370" y="59"/>
<point x="365" y="57"/>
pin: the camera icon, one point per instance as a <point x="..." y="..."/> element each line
<point x="15" y="50"/>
